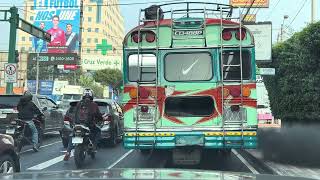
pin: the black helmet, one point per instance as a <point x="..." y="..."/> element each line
<point x="27" y="95"/>
<point x="87" y="93"/>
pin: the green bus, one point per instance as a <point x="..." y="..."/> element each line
<point x="189" y="81"/>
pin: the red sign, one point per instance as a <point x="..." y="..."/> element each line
<point x="248" y="3"/>
<point x="70" y="67"/>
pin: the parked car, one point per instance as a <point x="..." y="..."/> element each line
<point x="111" y="129"/>
<point x="8" y="112"/>
<point x="9" y="159"/>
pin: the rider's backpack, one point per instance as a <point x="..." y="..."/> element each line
<point x="84" y="112"/>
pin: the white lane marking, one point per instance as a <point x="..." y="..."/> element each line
<point x="245" y="162"/>
<point x="120" y="159"/>
<point x="49" y="162"/>
<point x="41" y="146"/>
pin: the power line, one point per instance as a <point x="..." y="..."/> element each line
<point x="296" y="15"/>
<point x="274" y="7"/>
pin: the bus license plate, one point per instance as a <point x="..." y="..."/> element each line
<point x="10" y="131"/>
<point x="145" y="116"/>
<point x="77" y="140"/>
<point x="189" y="140"/>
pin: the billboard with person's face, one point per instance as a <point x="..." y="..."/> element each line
<point x="60" y="18"/>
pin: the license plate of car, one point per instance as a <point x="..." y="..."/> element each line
<point x="2" y="116"/>
<point x="10" y="131"/>
<point x="77" y="140"/>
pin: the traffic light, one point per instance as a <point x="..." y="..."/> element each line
<point x="16" y="56"/>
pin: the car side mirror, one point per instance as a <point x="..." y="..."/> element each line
<point x="44" y="109"/>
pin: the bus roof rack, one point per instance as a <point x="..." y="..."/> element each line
<point x="213" y="7"/>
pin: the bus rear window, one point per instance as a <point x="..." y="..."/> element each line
<point x="188" y="67"/>
<point x="232" y="57"/>
<point x="147" y="67"/>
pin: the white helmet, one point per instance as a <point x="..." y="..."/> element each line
<point x="87" y="93"/>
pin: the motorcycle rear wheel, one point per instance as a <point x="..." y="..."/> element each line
<point x="79" y="155"/>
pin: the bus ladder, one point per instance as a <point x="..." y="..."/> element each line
<point x="201" y="26"/>
<point x="225" y="100"/>
<point x="153" y="85"/>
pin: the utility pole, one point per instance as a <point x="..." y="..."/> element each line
<point x="80" y="34"/>
<point x="12" y="42"/>
<point x="313" y="11"/>
<point x="281" y="29"/>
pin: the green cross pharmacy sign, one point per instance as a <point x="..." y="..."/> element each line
<point x="104" y="47"/>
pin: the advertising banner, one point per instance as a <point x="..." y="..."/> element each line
<point x="60" y="18"/>
<point x="45" y="87"/>
<point x="31" y="84"/>
<point x="57" y="87"/>
<point x="262" y="33"/>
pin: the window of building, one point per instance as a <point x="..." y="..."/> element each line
<point x="96" y="40"/>
<point x="30" y="49"/>
<point x="89" y="19"/>
<point x="89" y="40"/>
<point x="96" y="30"/>
<point x="23" y="49"/>
<point x="88" y="50"/>
<point x="90" y="9"/>
<point x="96" y="51"/>
<point x="31" y="18"/>
<point x="23" y="38"/>
<point x="30" y="38"/>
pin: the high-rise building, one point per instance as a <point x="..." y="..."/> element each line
<point x="102" y="34"/>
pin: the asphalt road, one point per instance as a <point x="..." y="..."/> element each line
<point x="50" y="158"/>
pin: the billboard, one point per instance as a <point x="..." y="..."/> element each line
<point x="247" y="3"/>
<point x="62" y="20"/>
<point x="262" y="33"/>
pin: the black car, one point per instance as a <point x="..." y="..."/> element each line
<point x="9" y="159"/>
<point x="111" y="128"/>
<point x="8" y="112"/>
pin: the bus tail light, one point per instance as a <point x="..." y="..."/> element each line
<point x="150" y="37"/>
<point x="135" y="37"/>
<point x="243" y="34"/>
<point x="235" y="91"/>
<point x="226" y="34"/>
<point x="144" y="93"/>
<point x="246" y="92"/>
<point x="226" y="92"/>
<point x="133" y="93"/>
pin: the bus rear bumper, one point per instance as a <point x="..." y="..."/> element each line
<point x="207" y="140"/>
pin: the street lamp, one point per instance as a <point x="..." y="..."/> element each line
<point x="281" y="31"/>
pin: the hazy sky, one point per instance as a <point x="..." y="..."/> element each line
<point x="130" y="13"/>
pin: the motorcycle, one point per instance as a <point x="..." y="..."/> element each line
<point x="82" y="144"/>
<point x="22" y="134"/>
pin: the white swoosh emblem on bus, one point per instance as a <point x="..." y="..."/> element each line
<point x="185" y="71"/>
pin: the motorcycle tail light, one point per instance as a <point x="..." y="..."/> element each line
<point x="67" y="118"/>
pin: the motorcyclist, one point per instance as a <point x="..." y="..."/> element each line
<point x="87" y="112"/>
<point x="27" y="110"/>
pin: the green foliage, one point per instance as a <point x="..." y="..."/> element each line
<point x="111" y="77"/>
<point x="89" y="82"/>
<point x="294" y="90"/>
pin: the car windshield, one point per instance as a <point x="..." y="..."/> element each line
<point x="9" y="101"/>
<point x="229" y="87"/>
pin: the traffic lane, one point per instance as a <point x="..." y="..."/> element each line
<point x="105" y="157"/>
<point x="50" y="148"/>
<point x="156" y="159"/>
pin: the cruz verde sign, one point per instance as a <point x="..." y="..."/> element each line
<point x="90" y="62"/>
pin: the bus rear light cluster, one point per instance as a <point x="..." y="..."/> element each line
<point x="150" y="36"/>
<point x="143" y="93"/>
<point x="228" y="33"/>
<point x="243" y="34"/>
<point x="235" y="92"/>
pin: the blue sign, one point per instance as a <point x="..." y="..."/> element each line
<point x="46" y="87"/>
<point x="31" y="84"/>
<point x="61" y="19"/>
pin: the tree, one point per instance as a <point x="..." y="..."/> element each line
<point x="294" y="90"/>
<point x="88" y="82"/>
<point x="111" y="77"/>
